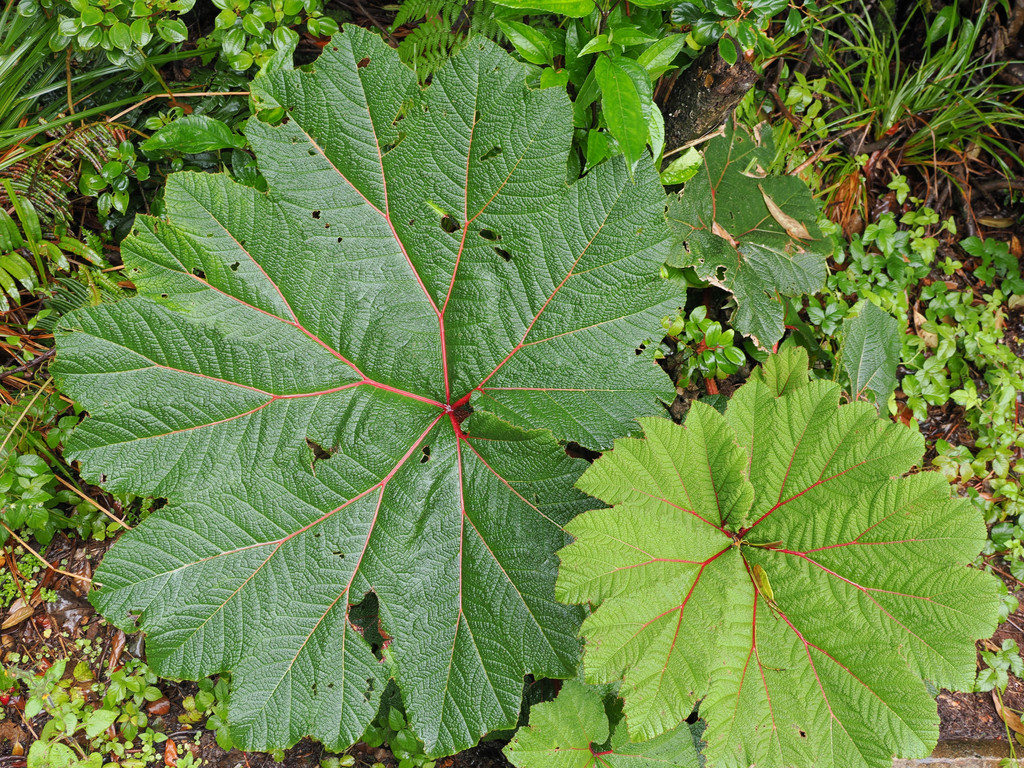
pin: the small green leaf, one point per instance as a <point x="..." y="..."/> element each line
<point x="531" y="44"/>
<point x="141" y="32"/>
<point x="99" y="721"/>
<point x="596" y="44"/>
<point x="871" y="352"/>
<point x="658" y="58"/>
<point x="727" y="50"/>
<point x="172" y="30"/>
<point x="683" y="168"/>
<point x="622" y="108"/>
<point x="91" y="16"/>
<point x="121" y="36"/>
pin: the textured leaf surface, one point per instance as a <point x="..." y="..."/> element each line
<point x="295" y="378"/>
<point x="572" y="732"/>
<point x="864" y="593"/>
<point x="754" y="235"/>
<point x="871" y="352"/>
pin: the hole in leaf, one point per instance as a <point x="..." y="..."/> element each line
<point x="720" y="273"/>
<point x="163" y="295"/>
<point x="503" y="253"/>
<point x="577" y="451"/>
<point x="640" y="350"/>
<point x="199" y="273"/>
<point x="491" y="153"/>
<point x="319" y="452"/>
<point x="803" y="734"/>
<point x="364" y="617"/>
<point x="692" y="718"/>
<point x="411" y="222"/>
<point x="340" y="239"/>
<point x="311" y="152"/>
<point x="327" y="225"/>
<point x="426" y="454"/>
<point x="369" y="688"/>
<point x="338" y="553"/>
<point x="316" y="214"/>
<point x="363" y="63"/>
<point x="313" y="690"/>
<point x="103" y="478"/>
<point x="234" y="267"/>
<point x="449" y="225"/>
<point x="489" y="234"/>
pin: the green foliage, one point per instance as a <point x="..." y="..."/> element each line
<point x="367" y="354"/>
<point x="89" y="719"/>
<point x="254" y="33"/>
<point x="773" y="564"/>
<point x="1000" y="664"/>
<point x="210" y="703"/>
<point x="391" y="726"/>
<point x="120" y="28"/>
<point x="580" y="730"/>
<point x="752" y="234"/>
<point x="710" y="351"/>
<point x="947" y="101"/>
<point x="443" y="28"/>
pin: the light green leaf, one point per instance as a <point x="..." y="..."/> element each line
<point x="657" y="59"/>
<point x="775" y="565"/>
<point x="99" y="721"/>
<point x="871" y="352"/>
<point x="573" y="732"/>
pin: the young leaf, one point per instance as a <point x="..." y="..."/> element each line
<point x="622" y="108"/>
<point x="310" y="377"/>
<point x="774" y="564"/>
<point x="744" y="232"/>
<point x="572" y="731"/>
<point x="871" y="351"/>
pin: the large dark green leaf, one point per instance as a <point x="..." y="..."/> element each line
<point x="311" y="378"/>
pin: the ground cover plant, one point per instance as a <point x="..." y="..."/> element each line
<point x="384" y="437"/>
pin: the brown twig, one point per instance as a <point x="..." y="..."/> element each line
<point x="30" y="364"/>
<point x="39" y="557"/>
<point x="174" y="96"/>
<point x="102" y="509"/>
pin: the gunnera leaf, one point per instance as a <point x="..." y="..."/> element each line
<point x="750" y="233"/>
<point x="574" y="731"/>
<point x="775" y="564"/>
<point x="310" y="377"/>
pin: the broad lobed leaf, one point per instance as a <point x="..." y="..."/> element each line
<point x="296" y="378"/>
<point x="862" y="590"/>
<point x="573" y="732"/>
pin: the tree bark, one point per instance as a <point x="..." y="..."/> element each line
<point x="704" y="95"/>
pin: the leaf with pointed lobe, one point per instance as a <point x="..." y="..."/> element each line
<point x="362" y="382"/>
<point x="573" y="732"/>
<point x="775" y="565"/>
